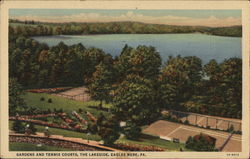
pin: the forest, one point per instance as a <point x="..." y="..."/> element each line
<point x="137" y="83"/>
<point x="33" y="28"/>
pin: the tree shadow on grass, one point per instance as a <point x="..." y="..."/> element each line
<point x="97" y="108"/>
<point x="148" y="137"/>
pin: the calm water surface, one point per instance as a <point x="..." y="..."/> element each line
<point x="206" y="47"/>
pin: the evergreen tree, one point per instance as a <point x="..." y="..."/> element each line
<point x="18" y="127"/>
<point x="32" y="128"/>
<point x="108" y="129"/>
<point x="132" y="131"/>
<point x="101" y="83"/>
<point x="16" y="102"/>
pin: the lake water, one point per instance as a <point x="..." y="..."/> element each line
<point x="206" y="47"/>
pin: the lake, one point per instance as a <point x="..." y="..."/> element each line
<point x="204" y="46"/>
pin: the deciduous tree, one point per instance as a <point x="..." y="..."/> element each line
<point x="135" y="100"/>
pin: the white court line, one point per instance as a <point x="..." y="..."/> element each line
<point x="219" y="122"/>
<point x="235" y="138"/>
<point x="203" y="131"/>
<point x="173" y="131"/>
<point x="200" y="120"/>
<point x="211" y="133"/>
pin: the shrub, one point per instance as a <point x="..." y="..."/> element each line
<point x="32" y="128"/>
<point x="49" y="111"/>
<point x="31" y="111"/>
<point x="54" y="110"/>
<point x="60" y="110"/>
<point x="80" y="110"/>
<point x="108" y="129"/>
<point x="49" y="100"/>
<point x="201" y="143"/>
<point x="42" y="99"/>
<point x="92" y="128"/>
<point x="231" y="128"/>
<point x="238" y="132"/>
<point x="186" y="122"/>
<point x="132" y="131"/>
<point x="18" y="126"/>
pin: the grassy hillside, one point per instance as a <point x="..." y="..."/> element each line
<point x="33" y="100"/>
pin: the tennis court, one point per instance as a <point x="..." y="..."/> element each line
<point x="170" y="130"/>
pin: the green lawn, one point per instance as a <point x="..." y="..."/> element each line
<point x="33" y="100"/>
<point x="66" y="133"/>
<point x="155" y="141"/>
<point x="17" y="146"/>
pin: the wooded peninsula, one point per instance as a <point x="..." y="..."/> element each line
<point x="34" y="28"/>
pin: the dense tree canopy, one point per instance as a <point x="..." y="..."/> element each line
<point x="37" y="65"/>
<point x="179" y="80"/>
<point x="137" y="77"/>
<point x="135" y="100"/>
<point x="143" y="61"/>
<point x="220" y="92"/>
<point x="16" y="102"/>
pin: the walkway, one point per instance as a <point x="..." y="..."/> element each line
<point x="90" y="143"/>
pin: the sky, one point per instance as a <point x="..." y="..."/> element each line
<point x="211" y="18"/>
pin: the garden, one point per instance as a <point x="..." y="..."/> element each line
<point x="70" y="118"/>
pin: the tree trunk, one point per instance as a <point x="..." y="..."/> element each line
<point x="100" y="105"/>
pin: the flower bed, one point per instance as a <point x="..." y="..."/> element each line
<point x="39" y="122"/>
<point x="91" y="117"/>
<point x="79" y="118"/>
<point x="70" y="122"/>
<point x="38" y="116"/>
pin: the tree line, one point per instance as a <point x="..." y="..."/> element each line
<point x="32" y="28"/>
<point x="136" y="82"/>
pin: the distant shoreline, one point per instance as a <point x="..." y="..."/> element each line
<point x="41" y="29"/>
<point x="135" y="34"/>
